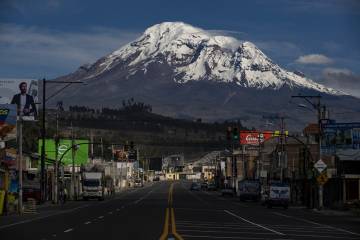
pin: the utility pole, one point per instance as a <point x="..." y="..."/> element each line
<point x="112" y="153"/>
<point x="56" y="167"/>
<point x="56" y="163"/>
<point x="321" y="187"/>
<point x="243" y="162"/>
<point x="20" y="204"/>
<point x="43" y="131"/>
<point x="282" y="155"/>
<point x="258" y="159"/>
<point x="233" y="165"/>
<point x="138" y="159"/>
<point x="73" y="162"/>
<point x="316" y="106"/>
<point x="56" y="172"/>
<point x="92" y="147"/>
<point x="102" y="150"/>
<point x="43" y="135"/>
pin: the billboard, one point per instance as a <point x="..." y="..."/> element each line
<point x="7" y="121"/>
<point x="81" y="153"/>
<point x="253" y="137"/>
<point x="23" y="93"/>
<point x="342" y="139"/>
<point x="120" y="155"/>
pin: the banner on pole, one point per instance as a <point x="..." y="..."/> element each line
<point x="23" y="93"/>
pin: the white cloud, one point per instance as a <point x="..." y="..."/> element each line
<point x="62" y="52"/>
<point x="341" y="79"/>
<point x="338" y="71"/>
<point x="314" y="59"/>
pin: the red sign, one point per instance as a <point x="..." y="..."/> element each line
<point x="253" y="137"/>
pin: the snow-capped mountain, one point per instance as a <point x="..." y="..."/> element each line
<point x="197" y="55"/>
<point x="183" y="71"/>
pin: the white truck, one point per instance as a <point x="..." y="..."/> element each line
<point x="278" y="194"/>
<point x="93" y="185"/>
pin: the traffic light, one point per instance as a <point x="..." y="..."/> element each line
<point x="126" y="146"/>
<point x="235" y="133"/>
<point x="132" y="155"/>
<point x="228" y="133"/>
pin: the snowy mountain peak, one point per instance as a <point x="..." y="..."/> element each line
<point x="195" y="54"/>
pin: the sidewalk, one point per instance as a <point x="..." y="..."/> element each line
<point x="331" y="212"/>
<point x="297" y="206"/>
<point x="48" y="208"/>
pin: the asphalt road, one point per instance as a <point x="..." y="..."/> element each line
<point x="169" y="210"/>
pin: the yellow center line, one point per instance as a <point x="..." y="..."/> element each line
<point x="170" y="211"/>
<point x="173" y="226"/>
<point x="166" y="226"/>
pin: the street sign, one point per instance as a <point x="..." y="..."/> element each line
<point x="322" y="178"/>
<point x="320" y="166"/>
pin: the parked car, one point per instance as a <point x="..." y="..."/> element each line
<point x="195" y="186"/>
<point x="138" y="183"/>
<point x="156" y="179"/>
<point x="227" y="192"/>
<point x="249" y="190"/>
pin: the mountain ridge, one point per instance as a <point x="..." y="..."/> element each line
<point x="197" y="55"/>
<point x="155" y="76"/>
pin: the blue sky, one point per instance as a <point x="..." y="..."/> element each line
<point x="49" y="38"/>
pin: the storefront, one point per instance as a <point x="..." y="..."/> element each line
<point x="3" y="181"/>
<point x="351" y="188"/>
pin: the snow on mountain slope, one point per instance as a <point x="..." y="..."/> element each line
<point x="195" y="54"/>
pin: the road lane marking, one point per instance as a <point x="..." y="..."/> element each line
<point x="100" y="217"/>
<point x="215" y="227"/>
<point x="261" y="226"/>
<point x="319" y="224"/>
<point x="170" y="194"/>
<point x="173" y="226"/>
<point x="199" y="198"/>
<point x="139" y="200"/>
<point x="39" y="218"/>
<point x="170" y="218"/>
<point x="200" y="209"/>
<point x="323" y="236"/>
<point x="220" y="237"/>
<point x="110" y="212"/>
<point x="237" y="224"/>
<point x="227" y="232"/>
<point x="68" y="230"/>
<point x="86" y="223"/>
<point x="165" y="232"/>
<point x="207" y="193"/>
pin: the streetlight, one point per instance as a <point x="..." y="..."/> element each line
<point x="43" y="130"/>
<point x="317" y="106"/>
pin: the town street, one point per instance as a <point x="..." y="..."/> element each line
<point x="169" y="210"/>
